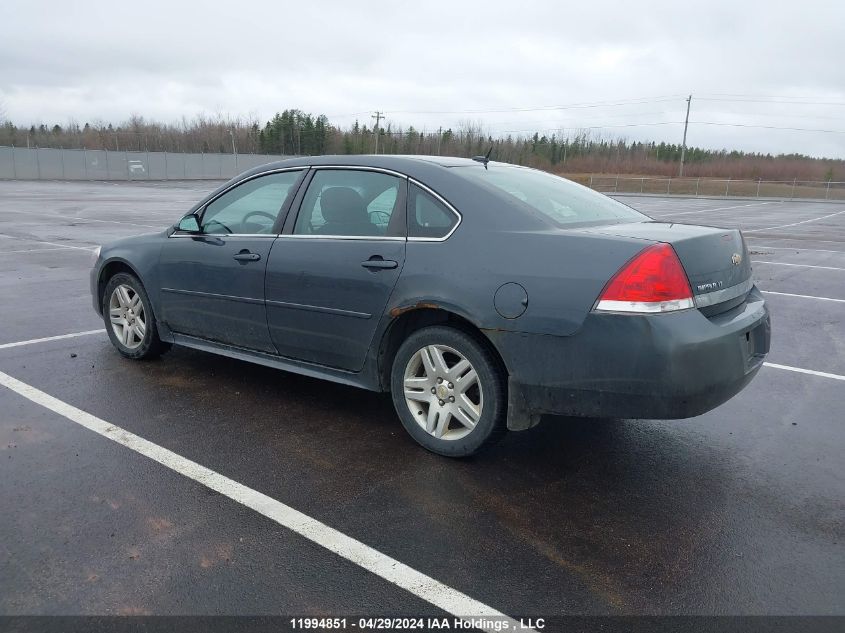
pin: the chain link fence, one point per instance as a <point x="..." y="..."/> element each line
<point x="21" y="163"/>
<point x="715" y="187"/>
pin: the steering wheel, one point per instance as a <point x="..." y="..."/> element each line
<point x="210" y="222"/>
<point x="379" y="217"/>
<point x="269" y="216"/>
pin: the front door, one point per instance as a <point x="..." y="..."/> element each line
<point x="330" y="276"/>
<point x="212" y="282"/>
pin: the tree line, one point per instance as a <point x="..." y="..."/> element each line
<point x="294" y="132"/>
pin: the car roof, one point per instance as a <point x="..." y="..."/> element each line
<point x="407" y="164"/>
<point x="435" y="172"/>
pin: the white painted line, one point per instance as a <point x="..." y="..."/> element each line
<point x="30" y="239"/>
<point x="758" y="261"/>
<point x="789" y="294"/>
<point x="43" y="250"/>
<point x="415" y="582"/>
<point x="738" y="206"/>
<point x="812" y="372"/>
<point x="79" y="218"/>
<point x="50" y="338"/>
<point x="798" y="248"/>
<point x="793" y="238"/>
<point x="158" y="227"/>
<point x="783" y="226"/>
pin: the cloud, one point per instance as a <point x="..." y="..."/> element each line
<point x="165" y="60"/>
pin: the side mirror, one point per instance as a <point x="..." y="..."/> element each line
<point x="189" y="224"/>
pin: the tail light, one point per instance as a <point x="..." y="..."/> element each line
<point x="654" y="281"/>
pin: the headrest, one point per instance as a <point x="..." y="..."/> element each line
<point x="343" y="205"/>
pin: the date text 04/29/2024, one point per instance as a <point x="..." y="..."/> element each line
<point x="419" y="624"/>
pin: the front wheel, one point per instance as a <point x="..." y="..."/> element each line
<point x="129" y="318"/>
<point x="449" y="391"/>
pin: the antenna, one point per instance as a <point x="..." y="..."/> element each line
<point x="484" y="159"/>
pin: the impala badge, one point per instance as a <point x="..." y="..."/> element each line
<point x="736" y="259"/>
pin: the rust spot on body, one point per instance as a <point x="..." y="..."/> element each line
<point x="400" y="310"/>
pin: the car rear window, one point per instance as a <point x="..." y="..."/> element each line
<point x="561" y="201"/>
<point x="427" y="216"/>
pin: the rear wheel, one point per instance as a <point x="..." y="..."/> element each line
<point x="449" y="391"/>
<point x="129" y="318"/>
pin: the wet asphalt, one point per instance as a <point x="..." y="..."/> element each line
<point x="738" y="511"/>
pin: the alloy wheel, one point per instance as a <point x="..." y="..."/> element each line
<point x="443" y="392"/>
<point x="127" y="316"/>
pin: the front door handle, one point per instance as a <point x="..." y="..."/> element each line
<point x="379" y="264"/>
<point x="246" y="256"/>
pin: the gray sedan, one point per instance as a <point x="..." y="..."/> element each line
<point x="480" y="295"/>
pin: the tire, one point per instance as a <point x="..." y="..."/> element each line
<point x="132" y="307"/>
<point x="448" y="360"/>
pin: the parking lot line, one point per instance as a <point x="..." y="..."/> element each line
<point x="760" y="261"/>
<point x="800" y="370"/>
<point x="797" y="237"/>
<point x="36" y="250"/>
<point x="798" y="248"/>
<point x="50" y="338"/>
<point x="432" y="591"/>
<point x="783" y="226"/>
<point x="789" y="294"/>
<point x="77" y="218"/>
<point x="738" y="206"/>
<point x="30" y="239"/>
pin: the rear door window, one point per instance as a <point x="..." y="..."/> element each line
<point x="352" y="203"/>
<point x="428" y="217"/>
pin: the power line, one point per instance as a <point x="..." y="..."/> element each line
<point x="768" y="127"/>
<point x="572" y="106"/>
<point x="753" y="96"/>
<point x="592" y="127"/>
<point x="343" y="116"/>
<point x="768" y="115"/>
<point x="781" y="101"/>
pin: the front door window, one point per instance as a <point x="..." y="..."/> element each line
<point x="251" y="208"/>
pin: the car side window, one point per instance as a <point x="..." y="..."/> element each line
<point x="251" y="207"/>
<point x="352" y="203"/>
<point x="427" y="216"/>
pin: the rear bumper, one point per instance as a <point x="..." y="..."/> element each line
<point x="675" y="365"/>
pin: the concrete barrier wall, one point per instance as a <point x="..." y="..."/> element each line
<point x="22" y="163"/>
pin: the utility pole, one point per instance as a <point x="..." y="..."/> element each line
<point x="684" y="145"/>
<point x="377" y="116"/>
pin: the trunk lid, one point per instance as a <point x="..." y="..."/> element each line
<point x="716" y="260"/>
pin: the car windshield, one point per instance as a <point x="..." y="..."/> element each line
<point x="557" y="199"/>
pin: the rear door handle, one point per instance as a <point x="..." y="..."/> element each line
<point x="246" y="256"/>
<point x="376" y="264"/>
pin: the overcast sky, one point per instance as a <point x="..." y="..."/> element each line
<point x="778" y="64"/>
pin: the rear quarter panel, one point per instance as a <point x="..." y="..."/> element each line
<point x="562" y="272"/>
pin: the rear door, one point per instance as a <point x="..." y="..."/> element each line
<point x="212" y="282"/>
<point x="331" y="273"/>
